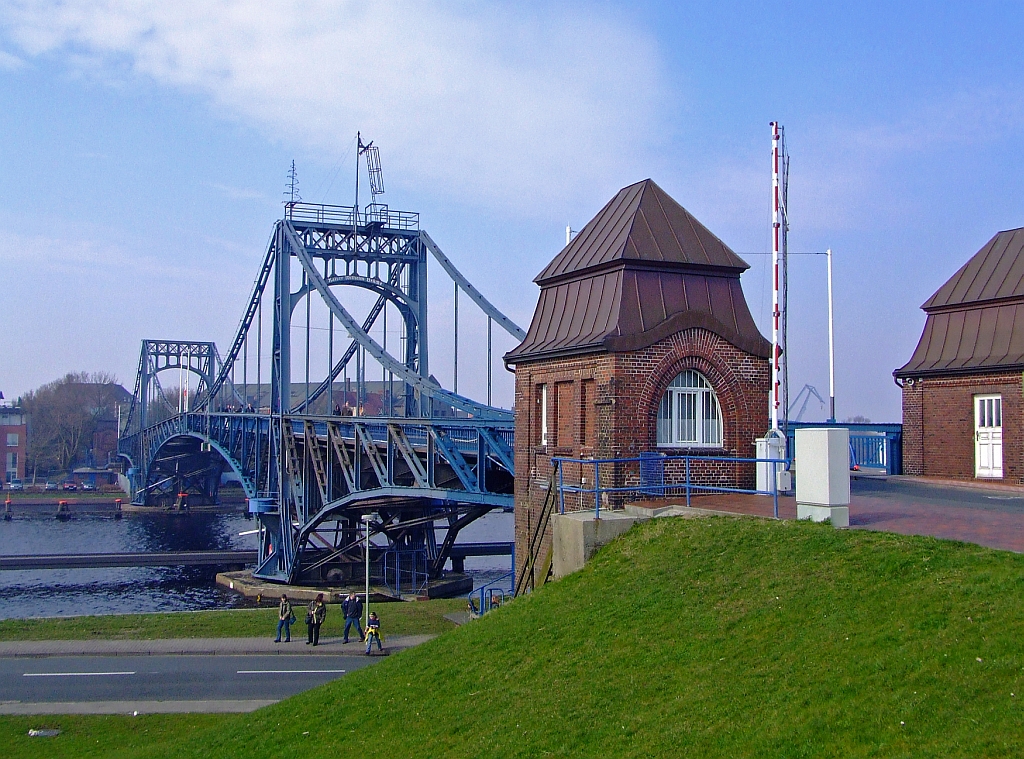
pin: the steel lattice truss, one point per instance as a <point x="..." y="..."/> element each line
<point x="433" y="460"/>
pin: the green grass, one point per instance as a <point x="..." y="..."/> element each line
<point x="85" y="737"/>
<point x="712" y="637"/>
<point x="413" y="618"/>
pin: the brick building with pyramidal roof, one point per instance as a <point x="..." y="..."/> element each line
<point x="963" y="415"/>
<point x="641" y="342"/>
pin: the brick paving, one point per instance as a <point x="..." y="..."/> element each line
<point x="984" y="515"/>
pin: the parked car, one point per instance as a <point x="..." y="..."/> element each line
<point x="50" y="486"/>
<point x="70" y="486"/>
<point x="88" y="486"/>
<point x="16" y="485"/>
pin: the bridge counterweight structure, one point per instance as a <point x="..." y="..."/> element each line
<point x="423" y="460"/>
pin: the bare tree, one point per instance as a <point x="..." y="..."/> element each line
<point x="62" y="418"/>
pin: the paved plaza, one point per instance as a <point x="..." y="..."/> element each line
<point x="987" y="514"/>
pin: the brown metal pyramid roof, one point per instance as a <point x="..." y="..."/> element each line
<point x="996" y="271"/>
<point x="976" y="319"/>
<point x="641" y="270"/>
<point x="642" y="223"/>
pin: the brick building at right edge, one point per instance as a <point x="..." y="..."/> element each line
<point x="963" y="415"/>
<point x="641" y="341"/>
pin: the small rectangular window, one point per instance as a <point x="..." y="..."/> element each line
<point x="564" y="423"/>
<point x="543" y="390"/>
<point x="587" y="413"/>
<point x="989" y="412"/>
<point x="12" y="439"/>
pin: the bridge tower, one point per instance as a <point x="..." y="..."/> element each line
<point x="313" y="453"/>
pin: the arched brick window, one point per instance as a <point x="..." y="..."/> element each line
<point x="689" y="415"/>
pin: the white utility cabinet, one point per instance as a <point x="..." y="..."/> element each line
<point x="823" y="476"/>
<point x="771" y="476"/>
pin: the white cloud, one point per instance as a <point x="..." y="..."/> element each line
<point x="504" y="103"/>
<point x="10" y="62"/>
<point x="76" y="256"/>
<point x="845" y="170"/>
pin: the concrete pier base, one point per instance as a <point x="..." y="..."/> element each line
<point x="577" y="536"/>
<point x="449" y="586"/>
<point x="839" y="515"/>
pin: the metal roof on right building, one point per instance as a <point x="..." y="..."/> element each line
<point x="976" y="319"/>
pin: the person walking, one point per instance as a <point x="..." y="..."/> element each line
<point x="373" y="632"/>
<point x="285" y="620"/>
<point x="353" y="609"/>
<point x="314" y="618"/>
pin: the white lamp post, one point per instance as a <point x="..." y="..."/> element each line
<point x="366" y="601"/>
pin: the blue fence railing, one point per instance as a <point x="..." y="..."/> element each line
<point x="492" y="595"/>
<point x="656" y="475"/>
<point x="872" y="446"/>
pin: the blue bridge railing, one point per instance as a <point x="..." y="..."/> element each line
<point x="656" y="475"/>
<point x="872" y="446"/>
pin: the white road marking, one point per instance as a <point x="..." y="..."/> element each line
<point x="75" y="674"/>
<point x="290" y="671"/>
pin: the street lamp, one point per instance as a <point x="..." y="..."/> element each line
<point x="366" y="605"/>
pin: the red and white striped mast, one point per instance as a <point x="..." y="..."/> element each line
<point x="780" y="226"/>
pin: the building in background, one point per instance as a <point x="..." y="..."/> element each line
<point x="963" y="415"/>
<point x="13" y="442"/>
<point x="641" y="342"/>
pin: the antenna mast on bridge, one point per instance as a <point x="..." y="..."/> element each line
<point x="293" y="186"/>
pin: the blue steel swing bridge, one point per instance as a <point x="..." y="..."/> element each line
<point x="417" y="457"/>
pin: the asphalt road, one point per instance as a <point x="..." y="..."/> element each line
<point x="73" y="679"/>
<point x="928" y="494"/>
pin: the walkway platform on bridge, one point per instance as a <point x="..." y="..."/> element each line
<point x="139" y="559"/>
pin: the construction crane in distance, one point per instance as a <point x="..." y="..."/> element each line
<point x="805" y="393"/>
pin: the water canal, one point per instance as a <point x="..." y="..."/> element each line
<point x="48" y="593"/>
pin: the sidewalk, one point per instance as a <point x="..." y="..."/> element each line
<point x="939" y="482"/>
<point x="197" y="647"/>
<point x="988" y="514"/>
<point x="208" y="706"/>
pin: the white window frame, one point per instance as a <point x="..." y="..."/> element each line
<point x="689" y="414"/>
<point x="12" y="439"/>
<point x="544" y="414"/>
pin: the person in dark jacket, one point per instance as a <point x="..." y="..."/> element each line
<point x="353" y="609"/>
<point x="372" y="632"/>
<point x="314" y="618"/>
<point x="284" y="620"/>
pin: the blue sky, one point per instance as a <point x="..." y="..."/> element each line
<point x="145" y="147"/>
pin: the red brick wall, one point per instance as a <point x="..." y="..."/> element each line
<point x="19" y="450"/>
<point x="938" y="424"/>
<point x="913" y="429"/>
<point x="609" y="401"/>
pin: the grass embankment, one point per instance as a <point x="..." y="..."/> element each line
<point x="715" y="637"/>
<point x="413" y="618"/>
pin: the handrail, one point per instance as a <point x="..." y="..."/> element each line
<point x="598" y="491"/>
<point x="488" y="590"/>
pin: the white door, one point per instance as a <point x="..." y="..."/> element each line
<point x="988" y="436"/>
